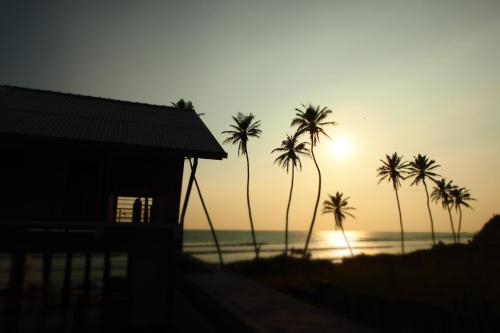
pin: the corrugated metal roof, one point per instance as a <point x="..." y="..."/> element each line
<point x="76" y="117"/>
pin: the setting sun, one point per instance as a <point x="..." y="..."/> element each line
<point x="341" y="147"/>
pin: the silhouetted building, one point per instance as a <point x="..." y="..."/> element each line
<point x="67" y="157"/>
<point x="73" y="169"/>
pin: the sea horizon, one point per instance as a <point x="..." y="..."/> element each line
<point x="236" y="245"/>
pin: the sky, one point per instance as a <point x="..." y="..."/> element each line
<point x="405" y="76"/>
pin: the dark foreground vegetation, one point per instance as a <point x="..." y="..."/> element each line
<point x="451" y="288"/>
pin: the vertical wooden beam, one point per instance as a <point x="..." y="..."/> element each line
<point x="16" y="279"/>
<point x="146" y="212"/>
<point x="106" y="274"/>
<point x="66" y="294"/>
<point x="86" y="277"/>
<point x="46" y="270"/>
<point x="186" y="199"/>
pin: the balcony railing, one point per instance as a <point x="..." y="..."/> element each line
<point x="60" y="276"/>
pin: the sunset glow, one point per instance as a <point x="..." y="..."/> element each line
<point x="341" y="148"/>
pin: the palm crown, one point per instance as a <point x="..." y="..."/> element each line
<point x="442" y="192"/>
<point x="421" y="168"/>
<point x="290" y="152"/>
<point x="310" y="120"/>
<point x="245" y="128"/>
<point x="339" y="206"/>
<point x="393" y="169"/>
<point x="183" y="105"/>
<point x="460" y="196"/>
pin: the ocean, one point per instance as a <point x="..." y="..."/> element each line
<point x="237" y="245"/>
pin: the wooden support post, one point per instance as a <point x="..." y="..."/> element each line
<point x="16" y="281"/>
<point x="105" y="275"/>
<point x="66" y="292"/>
<point x="86" y="277"/>
<point x="46" y="270"/>
<point x="186" y="199"/>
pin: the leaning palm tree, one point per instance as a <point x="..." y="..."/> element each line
<point x="245" y="128"/>
<point x="311" y="120"/>
<point x="339" y="207"/>
<point x="442" y="192"/>
<point x="290" y="152"/>
<point x="460" y="196"/>
<point x="420" y="169"/>
<point x="188" y="106"/>
<point x="394" y="170"/>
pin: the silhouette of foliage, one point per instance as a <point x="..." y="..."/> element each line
<point x="442" y="193"/>
<point x="290" y="152"/>
<point x="460" y="197"/>
<point x="394" y="169"/>
<point x="420" y="169"/>
<point x="311" y="120"/>
<point x="339" y="207"/>
<point x="245" y="128"/>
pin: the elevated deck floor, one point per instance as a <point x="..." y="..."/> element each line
<point x="229" y="301"/>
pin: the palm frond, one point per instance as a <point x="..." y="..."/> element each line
<point x="245" y="128"/>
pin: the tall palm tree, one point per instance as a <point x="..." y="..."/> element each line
<point x="442" y="192"/>
<point x="311" y="120"/>
<point x="188" y="106"/>
<point x="420" y="169"/>
<point x="290" y="152"/>
<point x="340" y="208"/>
<point x="245" y="128"/>
<point x="394" y="169"/>
<point x="460" y="196"/>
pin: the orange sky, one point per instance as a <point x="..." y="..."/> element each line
<point x="406" y="76"/>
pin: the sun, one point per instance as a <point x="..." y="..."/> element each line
<point x="341" y="147"/>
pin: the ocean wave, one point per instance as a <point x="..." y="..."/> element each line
<point x="195" y="245"/>
<point x="276" y="250"/>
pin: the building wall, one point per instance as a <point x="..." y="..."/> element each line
<point x="68" y="181"/>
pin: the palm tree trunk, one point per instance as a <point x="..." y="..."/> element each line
<point x="430" y="214"/>
<point x="214" y="235"/>
<point x="288" y="211"/>
<point x="459" y="223"/>
<point x="249" y="208"/>
<point x="317" y="199"/>
<point x="452" y="225"/>
<point x="349" y="245"/>
<point x="400" y="222"/>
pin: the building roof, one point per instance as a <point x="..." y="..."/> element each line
<point x="50" y="114"/>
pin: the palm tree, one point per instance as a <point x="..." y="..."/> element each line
<point x="420" y="169"/>
<point x="394" y="170"/>
<point x="183" y="105"/>
<point x="441" y="192"/>
<point x="460" y="196"/>
<point x="311" y="120"/>
<point x="245" y="128"/>
<point x="340" y="208"/>
<point x="188" y="106"/>
<point x="290" y="151"/>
